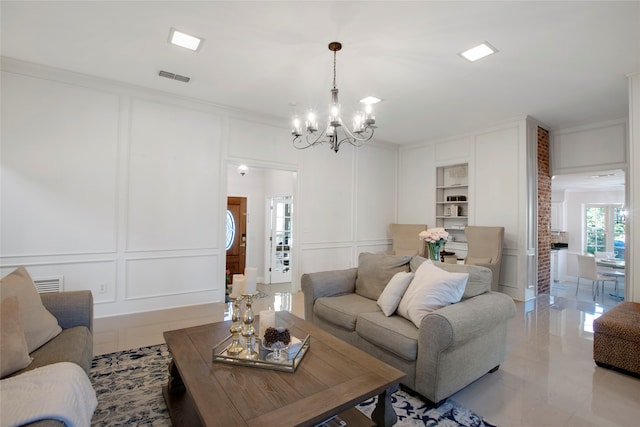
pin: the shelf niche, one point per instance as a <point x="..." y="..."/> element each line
<point x="452" y="199"/>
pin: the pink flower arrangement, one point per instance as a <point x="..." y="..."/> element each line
<point x="434" y="235"/>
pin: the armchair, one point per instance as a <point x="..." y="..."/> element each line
<point x="484" y="248"/>
<point x="405" y="239"/>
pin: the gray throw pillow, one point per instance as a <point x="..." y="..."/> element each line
<point x="375" y="270"/>
<point x="39" y="325"/>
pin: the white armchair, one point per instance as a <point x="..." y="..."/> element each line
<point x="405" y="239"/>
<point x="485" y="249"/>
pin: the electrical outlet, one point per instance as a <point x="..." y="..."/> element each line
<point x="102" y="288"/>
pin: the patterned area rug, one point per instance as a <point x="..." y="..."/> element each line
<point x="128" y="385"/>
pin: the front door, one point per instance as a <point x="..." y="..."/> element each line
<point x="236" y="234"/>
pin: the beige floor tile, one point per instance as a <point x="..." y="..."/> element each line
<point x="547" y="379"/>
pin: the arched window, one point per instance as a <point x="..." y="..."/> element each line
<point x="231" y="229"/>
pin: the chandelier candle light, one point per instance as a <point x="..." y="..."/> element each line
<point x="435" y="238"/>
<point x="363" y="121"/>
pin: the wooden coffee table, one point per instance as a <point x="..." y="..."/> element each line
<point x="332" y="378"/>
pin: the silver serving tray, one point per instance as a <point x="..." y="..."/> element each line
<point x="290" y="365"/>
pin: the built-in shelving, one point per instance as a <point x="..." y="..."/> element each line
<point x="452" y="199"/>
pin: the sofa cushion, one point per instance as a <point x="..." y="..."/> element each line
<point x="392" y="293"/>
<point x="14" y="354"/>
<point x="431" y="288"/>
<point x="343" y="310"/>
<point x="394" y="334"/>
<point x="71" y="345"/>
<point x="39" y="325"/>
<point x="479" y="277"/>
<point x="375" y="271"/>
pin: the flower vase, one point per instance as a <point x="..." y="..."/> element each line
<point x="434" y="250"/>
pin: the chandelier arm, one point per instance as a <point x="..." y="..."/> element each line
<point x="366" y="136"/>
<point x="303" y="144"/>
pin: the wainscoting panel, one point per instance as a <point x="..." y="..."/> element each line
<point x="416" y="187"/>
<point x="376" y="196"/>
<point x="601" y="146"/>
<point x="452" y="151"/>
<point x="174" y="169"/>
<point x="161" y="276"/>
<point x="323" y="259"/>
<point x="509" y="271"/>
<point x="500" y="203"/>
<point x="58" y="180"/>
<point x="326" y="195"/>
<point x="98" y="276"/>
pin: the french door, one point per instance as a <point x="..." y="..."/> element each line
<point x="280" y="239"/>
<point x="604" y="229"/>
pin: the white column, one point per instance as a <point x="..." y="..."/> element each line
<point x="633" y="192"/>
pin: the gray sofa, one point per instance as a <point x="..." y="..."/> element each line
<point x="74" y="312"/>
<point x="454" y="345"/>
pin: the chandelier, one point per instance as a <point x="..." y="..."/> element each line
<point x="363" y="121"/>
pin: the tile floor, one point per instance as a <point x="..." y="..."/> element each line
<point x="548" y="377"/>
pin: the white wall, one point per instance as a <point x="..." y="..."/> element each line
<point x="346" y="203"/>
<point x="497" y="189"/>
<point x="115" y="186"/>
<point x="593" y="147"/>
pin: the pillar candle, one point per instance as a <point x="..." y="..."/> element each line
<point x="267" y="320"/>
<point x="250" y="277"/>
<point x="238" y="286"/>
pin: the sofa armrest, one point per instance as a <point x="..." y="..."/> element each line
<point x="326" y="284"/>
<point x="71" y="308"/>
<point x="455" y="324"/>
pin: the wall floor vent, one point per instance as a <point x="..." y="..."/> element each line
<point x="49" y="284"/>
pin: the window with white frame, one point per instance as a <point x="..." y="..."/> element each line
<point x="604" y="229"/>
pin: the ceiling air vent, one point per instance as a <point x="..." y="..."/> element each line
<point x="173" y="76"/>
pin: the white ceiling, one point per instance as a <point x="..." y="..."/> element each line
<point x="564" y="63"/>
<point x="609" y="180"/>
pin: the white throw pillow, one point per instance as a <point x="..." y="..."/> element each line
<point x="403" y="307"/>
<point x="392" y="293"/>
<point x="431" y="288"/>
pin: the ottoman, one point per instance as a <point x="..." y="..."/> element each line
<point x="616" y="338"/>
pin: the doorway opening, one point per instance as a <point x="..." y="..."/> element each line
<point x="258" y="185"/>
<point x="588" y="217"/>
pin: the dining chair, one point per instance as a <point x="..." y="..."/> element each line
<point x="588" y="269"/>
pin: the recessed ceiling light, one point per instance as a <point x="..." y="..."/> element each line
<point x="478" y="52"/>
<point x="185" y="40"/>
<point x="370" y="100"/>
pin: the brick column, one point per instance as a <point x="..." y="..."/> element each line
<point x="544" y="213"/>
